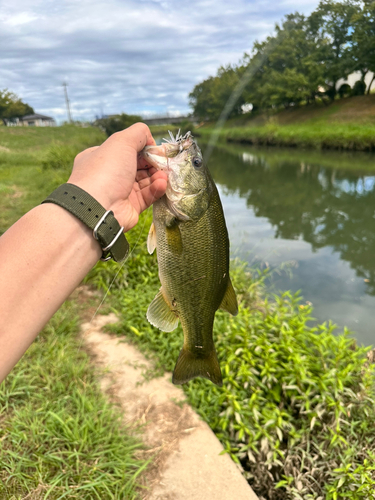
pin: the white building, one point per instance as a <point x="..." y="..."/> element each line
<point x="35" y="120"/>
<point x="354" y="77"/>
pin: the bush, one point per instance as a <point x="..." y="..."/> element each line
<point x="117" y="123"/>
<point x="345" y="90"/>
<point x="359" y="88"/>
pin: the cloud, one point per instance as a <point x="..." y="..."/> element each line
<point x="141" y="56"/>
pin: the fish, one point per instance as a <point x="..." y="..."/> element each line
<point x="191" y="240"/>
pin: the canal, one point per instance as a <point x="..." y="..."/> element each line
<point x="310" y="216"/>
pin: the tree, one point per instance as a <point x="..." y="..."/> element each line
<point x="117" y="122"/>
<point x="11" y="106"/>
<point x="363" y="46"/>
<point x="209" y="97"/>
<point x="332" y="24"/>
<point x="291" y="72"/>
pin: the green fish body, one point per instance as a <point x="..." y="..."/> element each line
<point x="193" y="260"/>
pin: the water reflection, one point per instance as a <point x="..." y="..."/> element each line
<point x="324" y="203"/>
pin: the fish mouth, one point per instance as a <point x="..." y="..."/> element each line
<point x="156" y="158"/>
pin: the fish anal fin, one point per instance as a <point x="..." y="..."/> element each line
<point x="174" y="239"/>
<point x="151" y="239"/>
<point x="159" y="314"/>
<point x="189" y="366"/>
<point x="229" y="302"/>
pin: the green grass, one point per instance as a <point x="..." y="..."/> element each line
<point x="24" y="153"/>
<point x="297" y="405"/>
<point x="345" y="124"/>
<point x="276" y="156"/>
<point x="59" y="436"/>
<point x="352" y="137"/>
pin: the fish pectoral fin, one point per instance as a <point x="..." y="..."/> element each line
<point x="151" y="239"/>
<point x="229" y="302"/>
<point x="174" y="239"/>
<point x="159" y="314"/>
<point x="189" y="366"/>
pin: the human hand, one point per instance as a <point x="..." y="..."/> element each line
<point x="116" y="176"/>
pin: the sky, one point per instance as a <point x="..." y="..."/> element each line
<point x="126" y="56"/>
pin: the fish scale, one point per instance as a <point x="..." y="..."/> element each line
<point x="194" y="280"/>
<point x="191" y="240"/>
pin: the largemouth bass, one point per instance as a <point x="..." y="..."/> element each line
<point x="191" y="240"/>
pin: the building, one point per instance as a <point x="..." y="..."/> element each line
<point x="354" y="77"/>
<point x="35" y="120"/>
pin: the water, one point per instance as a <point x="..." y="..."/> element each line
<point x="314" y="210"/>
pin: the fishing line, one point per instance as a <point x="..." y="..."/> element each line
<point x="122" y="265"/>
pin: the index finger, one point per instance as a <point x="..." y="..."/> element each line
<point x="137" y="136"/>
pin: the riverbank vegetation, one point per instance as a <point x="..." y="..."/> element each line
<point x="305" y="62"/>
<point x="296" y="409"/>
<point x="297" y="403"/>
<point x="317" y="135"/>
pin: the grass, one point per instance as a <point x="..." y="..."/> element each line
<point x="59" y="436"/>
<point x="24" y="182"/>
<point x="352" y="137"/>
<point x="348" y="124"/>
<point x="297" y="406"/>
<point x="275" y="156"/>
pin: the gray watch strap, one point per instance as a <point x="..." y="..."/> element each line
<point x="105" y="227"/>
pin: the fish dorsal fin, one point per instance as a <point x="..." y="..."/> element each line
<point x="151" y="239"/>
<point x="229" y="302"/>
<point x="159" y="314"/>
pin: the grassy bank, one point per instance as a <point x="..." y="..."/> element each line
<point x="297" y="407"/>
<point x="348" y="124"/>
<point x="59" y="436"/>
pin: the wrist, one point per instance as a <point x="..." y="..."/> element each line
<point x="103" y="224"/>
<point x="93" y="188"/>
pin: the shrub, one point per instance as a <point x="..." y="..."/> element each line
<point x="345" y="90"/>
<point x="359" y="88"/>
<point x="117" y="122"/>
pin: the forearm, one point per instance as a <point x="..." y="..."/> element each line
<point x="44" y="256"/>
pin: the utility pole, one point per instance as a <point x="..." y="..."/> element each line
<point x="67" y="102"/>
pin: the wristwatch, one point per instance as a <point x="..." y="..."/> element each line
<point x="103" y="223"/>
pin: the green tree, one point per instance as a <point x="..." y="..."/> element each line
<point x="331" y="22"/>
<point x="116" y="123"/>
<point x="209" y="97"/>
<point x="11" y="106"/>
<point x="363" y="37"/>
<point x="291" y="72"/>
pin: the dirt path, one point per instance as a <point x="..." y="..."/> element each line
<point x="187" y="464"/>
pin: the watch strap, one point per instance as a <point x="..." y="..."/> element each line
<point x="105" y="226"/>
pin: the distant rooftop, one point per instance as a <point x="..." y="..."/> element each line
<point x="36" y="116"/>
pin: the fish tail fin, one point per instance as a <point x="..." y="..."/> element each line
<point x="189" y="366"/>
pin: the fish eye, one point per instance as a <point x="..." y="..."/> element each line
<point x="197" y="162"/>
